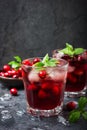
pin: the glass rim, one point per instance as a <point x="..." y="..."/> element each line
<point x="65" y="63"/>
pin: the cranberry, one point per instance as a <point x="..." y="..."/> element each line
<point x="55" y="90"/>
<point x="13" y="91"/>
<point x="42" y="94"/>
<point x="6" y="74"/>
<point x="19" y="72"/>
<point x="15" y="76"/>
<point x="42" y="74"/>
<point x="2" y="74"/>
<point x="46" y="85"/>
<point x="36" y="60"/>
<point x="32" y="87"/>
<point x="71" y="78"/>
<point x="71" y="105"/>
<point x="27" y="62"/>
<point x="6" y="67"/>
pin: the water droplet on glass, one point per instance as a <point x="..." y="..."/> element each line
<point x="5" y="97"/>
<point x="62" y="120"/>
<point x="5" y="115"/>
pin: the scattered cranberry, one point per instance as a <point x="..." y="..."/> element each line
<point x="6" y="67"/>
<point x="36" y="60"/>
<point x="13" y="91"/>
<point x="42" y="74"/>
<point x="71" y="105"/>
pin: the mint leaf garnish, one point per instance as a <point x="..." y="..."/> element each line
<point x="74" y="116"/>
<point x="84" y="114"/>
<point x="82" y="103"/>
<point x="78" y="51"/>
<point x="16" y="63"/>
<point x="46" y="62"/>
<point x="80" y="112"/>
<point x="71" y="51"/>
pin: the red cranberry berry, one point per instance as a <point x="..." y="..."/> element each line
<point x="42" y="74"/>
<point x="42" y="94"/>
<point x="6" y="68"/>
<point x="13" y="91"/>
<point x="27" y="62"/>
<point x="71" y="105"/>
<point x="36" y="60"/>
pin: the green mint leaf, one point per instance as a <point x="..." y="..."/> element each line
<point x="46" y="62"/>
<point x="84" y="115"/>
<point x="14" y="64"/>
<point x="70" y="47"/>
<point x="18" y="59"/>
<point x="39" y="64"/>
<point x="82" y="103"/>
<point x="45" y="59"/>
<point x="78" y="51"/>
<point x="51" y="62"/>
<point x="69" y="50"/>
<point x="74" y="116"/>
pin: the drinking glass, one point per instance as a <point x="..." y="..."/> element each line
<point x="44" y="93"/>
<point x="76" y="84"/>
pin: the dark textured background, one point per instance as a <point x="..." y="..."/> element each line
<point x="35" y="27"/>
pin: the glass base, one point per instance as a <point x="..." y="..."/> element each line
<point x="45" y="113"/>
<point x="75" y="94"/>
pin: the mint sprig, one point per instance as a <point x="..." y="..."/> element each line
<point x="46" y="62"/>
<point x="71" y="51"/>
<point x="80" y="112"/>
<point x="16" y="63"/>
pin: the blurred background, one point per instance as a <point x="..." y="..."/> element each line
<point x="31" y="28"/>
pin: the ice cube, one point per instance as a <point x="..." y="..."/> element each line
<point x="33" y="76"/>
<point x="56" y="75"/>
<point x="71" y="68"/>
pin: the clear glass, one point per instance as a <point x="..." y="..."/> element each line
<point x="45" y="96"/>
<point x="76" y="84"/>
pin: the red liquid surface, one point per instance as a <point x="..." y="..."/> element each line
<point x="77" y="75"/>
<point x="45" y="94"/>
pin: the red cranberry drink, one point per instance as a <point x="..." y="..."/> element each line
<point x="44" y="81"/>
<point x="77" y="72"/>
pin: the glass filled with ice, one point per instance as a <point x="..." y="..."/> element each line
<point x="44" y="81"/>
<point x="76" y="84"/>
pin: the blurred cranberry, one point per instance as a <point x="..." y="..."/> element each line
<point x="36" y="60"/>
<point x="71" y="105"/>
<point x="6" y="67"/>
<point x="27" y="62"/>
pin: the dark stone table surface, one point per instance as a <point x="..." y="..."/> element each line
<point x="13" y="115"/>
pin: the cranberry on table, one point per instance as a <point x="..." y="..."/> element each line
<point x="71" y="105"/>
<point x="14" y="91"/>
